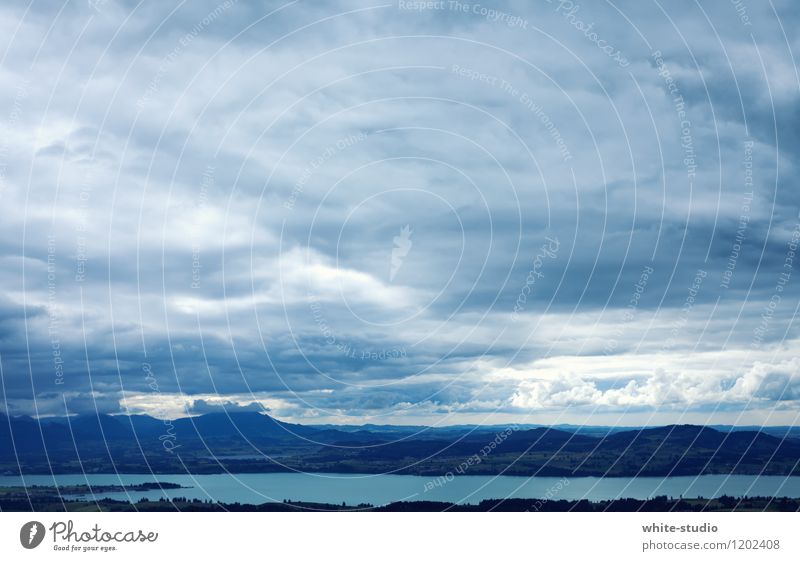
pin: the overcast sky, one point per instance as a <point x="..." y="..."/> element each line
<point x="348" y="212"/>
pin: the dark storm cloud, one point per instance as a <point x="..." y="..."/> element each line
<point x="317" y="208"/>
<point x="201" y="406"/>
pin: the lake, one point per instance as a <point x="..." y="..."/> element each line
<point x="255" y="488"/>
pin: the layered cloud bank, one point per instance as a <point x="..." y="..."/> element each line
<point x="409" y="212"/>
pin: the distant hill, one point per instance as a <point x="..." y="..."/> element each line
<point x="256" y="442"/>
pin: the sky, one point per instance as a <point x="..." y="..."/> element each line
<point x="440" y="213"/>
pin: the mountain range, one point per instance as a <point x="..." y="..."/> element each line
<point x="256" y="442"/>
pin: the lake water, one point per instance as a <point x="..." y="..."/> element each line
<point x="256" y="488"/>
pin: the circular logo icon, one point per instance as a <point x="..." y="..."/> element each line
<point x="31" y="534"/>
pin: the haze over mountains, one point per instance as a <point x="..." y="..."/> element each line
<point x="255" y="442"/>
